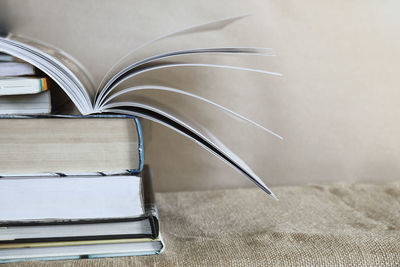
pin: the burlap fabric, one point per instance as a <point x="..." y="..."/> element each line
<point x="336" y="225"/>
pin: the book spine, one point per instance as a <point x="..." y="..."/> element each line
<point x="43" y="84"/>
<point x="141" y="149"/>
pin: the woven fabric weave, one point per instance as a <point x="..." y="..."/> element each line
<point x="330" y="225"/>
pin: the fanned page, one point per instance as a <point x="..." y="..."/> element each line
<point x="165" y="115"/>
<point x="67" y="72"/>
<point x="112" y="97"/>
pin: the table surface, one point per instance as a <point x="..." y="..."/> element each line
<point x="342" y="224"/>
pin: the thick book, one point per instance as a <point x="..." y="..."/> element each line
<point x="57" y="145"/>
<point x="29" y="104"/>
<point x="44" y="218"/>
<point x="23" y="95"/>
<point x="16" y="69"/>
<point x="111" y="96"/>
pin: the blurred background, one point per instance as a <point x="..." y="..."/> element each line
<point x="336" y="105"/>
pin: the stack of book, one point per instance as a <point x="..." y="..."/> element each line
<point x="23" y="88"/>
<point x="78" y="192"/>
<point x="72" y="182"/>
<point x="71" y="186"/>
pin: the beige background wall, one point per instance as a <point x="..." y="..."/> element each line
<point x="337" y="104"/>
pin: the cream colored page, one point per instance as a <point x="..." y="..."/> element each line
<point x="29" y="146"/>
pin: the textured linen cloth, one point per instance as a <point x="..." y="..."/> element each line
<point x="335" y="225"/>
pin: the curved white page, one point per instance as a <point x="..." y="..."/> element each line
<point x="69" y="75"/>
<point x="177" y="91"/>
<point x="166" y="65"/>
<point x="69" y="63"/>
<point x="131" y="56"/>
<point x="152" y="110"/>
<point x="130" y="71"/>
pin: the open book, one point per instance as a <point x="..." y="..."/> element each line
<point x="77" y="84"/>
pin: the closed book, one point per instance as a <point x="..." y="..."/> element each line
<point x="16" y="69"/>
<point x="78" y="216"/>
<point x="70" y="145"/>
<point x="22" y="85"/>
<point x="30" y="104"/>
